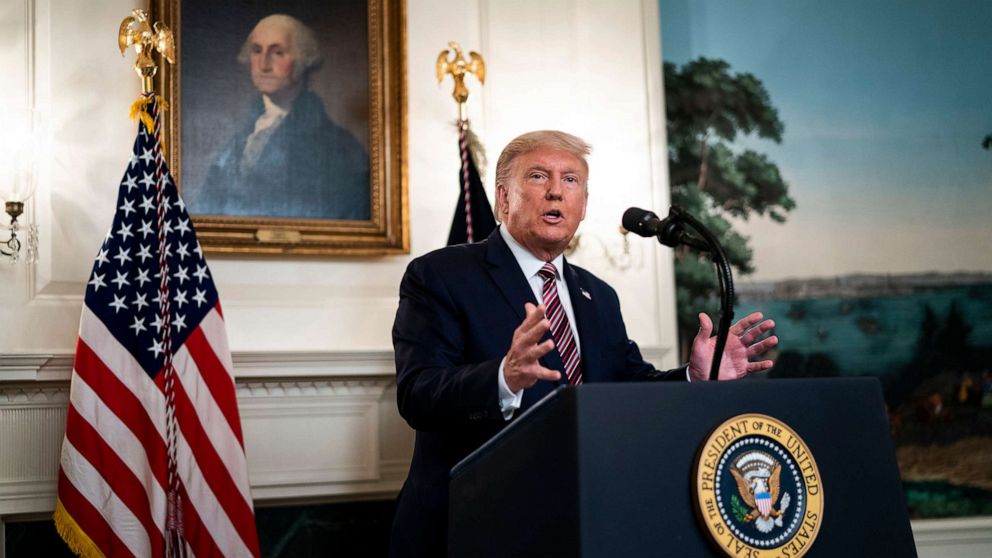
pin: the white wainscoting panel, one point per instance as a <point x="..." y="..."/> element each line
<point x="317" y="426"/>
<point x="32" y="425"/>
<point x="954" y="538"/>
<point x="304" y="436"/>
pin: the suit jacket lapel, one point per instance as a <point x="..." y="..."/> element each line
<point x="513" y="286"/>
<point x="506" y="274"/>
<point x="584" y="308"/>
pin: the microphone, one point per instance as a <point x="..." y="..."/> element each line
<point x="668" y="231"/>
<point x="641" y="222"/>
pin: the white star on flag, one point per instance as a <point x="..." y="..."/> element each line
<point x="144" y="253"/>
<point x="139" y="301"/>
<point x="121" y="280"/>
<point x="158" y="323"/>
<point x="125" y="231"/>
<point x="156" y="348"/>
<point x="180" y="298"/>
<point x="101" y="258"/>
<point x="130" y="181"/>
<point x="118" y="304"/>
<point x="127" y="208"/>
<point x="182" y="251"/>
<point x="97" y="281"/>
<point x="181" y="275"/>
<point x="122" y="255"/>
<point x="183" y="226"/>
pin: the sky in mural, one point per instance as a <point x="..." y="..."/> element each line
<point x="885" y="105"/>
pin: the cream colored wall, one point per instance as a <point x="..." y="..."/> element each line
<point x="581" y="66"/>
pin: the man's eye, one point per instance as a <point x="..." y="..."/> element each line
<point x="256" y="49"/>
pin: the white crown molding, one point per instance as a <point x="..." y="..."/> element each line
<point x="35" y="395"/>
<point x="35" y="367"/>
<point x="371" y="389"/>
<point x="269" y="364"/>
<point x="247" y="365"/>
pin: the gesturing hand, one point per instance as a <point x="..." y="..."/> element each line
<point x="521" y="368"/>
<point x="742" y="345"/>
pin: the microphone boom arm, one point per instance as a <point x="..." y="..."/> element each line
<point x="726" y="277"/>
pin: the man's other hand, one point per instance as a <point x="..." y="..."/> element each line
<point x="744" y="342"/>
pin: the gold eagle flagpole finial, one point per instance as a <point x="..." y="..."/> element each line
<point x="137" y="31"/>
<point x="457" y="66"/>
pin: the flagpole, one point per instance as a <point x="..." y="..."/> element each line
<point x="143" y="455"/>
<point x="146" y="37"/>
<point x="452" y="62"/>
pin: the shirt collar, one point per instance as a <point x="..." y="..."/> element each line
<point x="272" y="109"/>
<point x="529" y="263"/>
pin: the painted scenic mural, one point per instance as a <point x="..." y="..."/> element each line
<point x="842" y="152"/>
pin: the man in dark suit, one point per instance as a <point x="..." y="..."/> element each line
<point x="485" y="330"/>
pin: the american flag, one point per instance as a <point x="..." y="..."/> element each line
<point x="153" y="459"/>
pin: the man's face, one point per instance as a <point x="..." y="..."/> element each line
<point x="272" y="59"/>
<point x="544" y="200"/>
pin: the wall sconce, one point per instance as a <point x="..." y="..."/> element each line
<point x="22" y="141"/>
<point x="616" y="252"/>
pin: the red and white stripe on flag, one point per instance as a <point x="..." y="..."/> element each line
<point x="113" y="481"/>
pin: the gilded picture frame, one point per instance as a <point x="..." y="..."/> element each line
<point x="357" y="95"/>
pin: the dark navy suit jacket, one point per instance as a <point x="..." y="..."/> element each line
<point x="458" y="309"/>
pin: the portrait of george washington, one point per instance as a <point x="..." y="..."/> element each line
<point x="275" y="119"/>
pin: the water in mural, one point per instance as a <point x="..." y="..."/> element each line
<point x="929" y="340"/>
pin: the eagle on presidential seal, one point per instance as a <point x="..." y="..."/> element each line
<point x="758" y="482"/>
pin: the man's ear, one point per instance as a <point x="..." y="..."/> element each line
<point x="502" y="203"/>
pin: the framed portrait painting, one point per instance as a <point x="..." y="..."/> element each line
<point x="286" y="127"/>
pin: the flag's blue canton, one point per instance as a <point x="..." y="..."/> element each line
<point x="123" y="287"/>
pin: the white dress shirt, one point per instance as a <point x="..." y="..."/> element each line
<point x="265" y="126"/>
<point x="510" y="401"/>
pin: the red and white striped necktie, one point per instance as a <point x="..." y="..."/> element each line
<point x="561" y="331"/>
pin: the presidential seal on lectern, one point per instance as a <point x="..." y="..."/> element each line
<point x="758" y="491"/>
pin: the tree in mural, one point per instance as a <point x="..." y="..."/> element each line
<point x="707" y="109"/>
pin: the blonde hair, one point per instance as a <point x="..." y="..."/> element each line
<point x="532" y="141"/>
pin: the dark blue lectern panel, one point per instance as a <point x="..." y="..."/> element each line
<point x="605" y="470"/>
